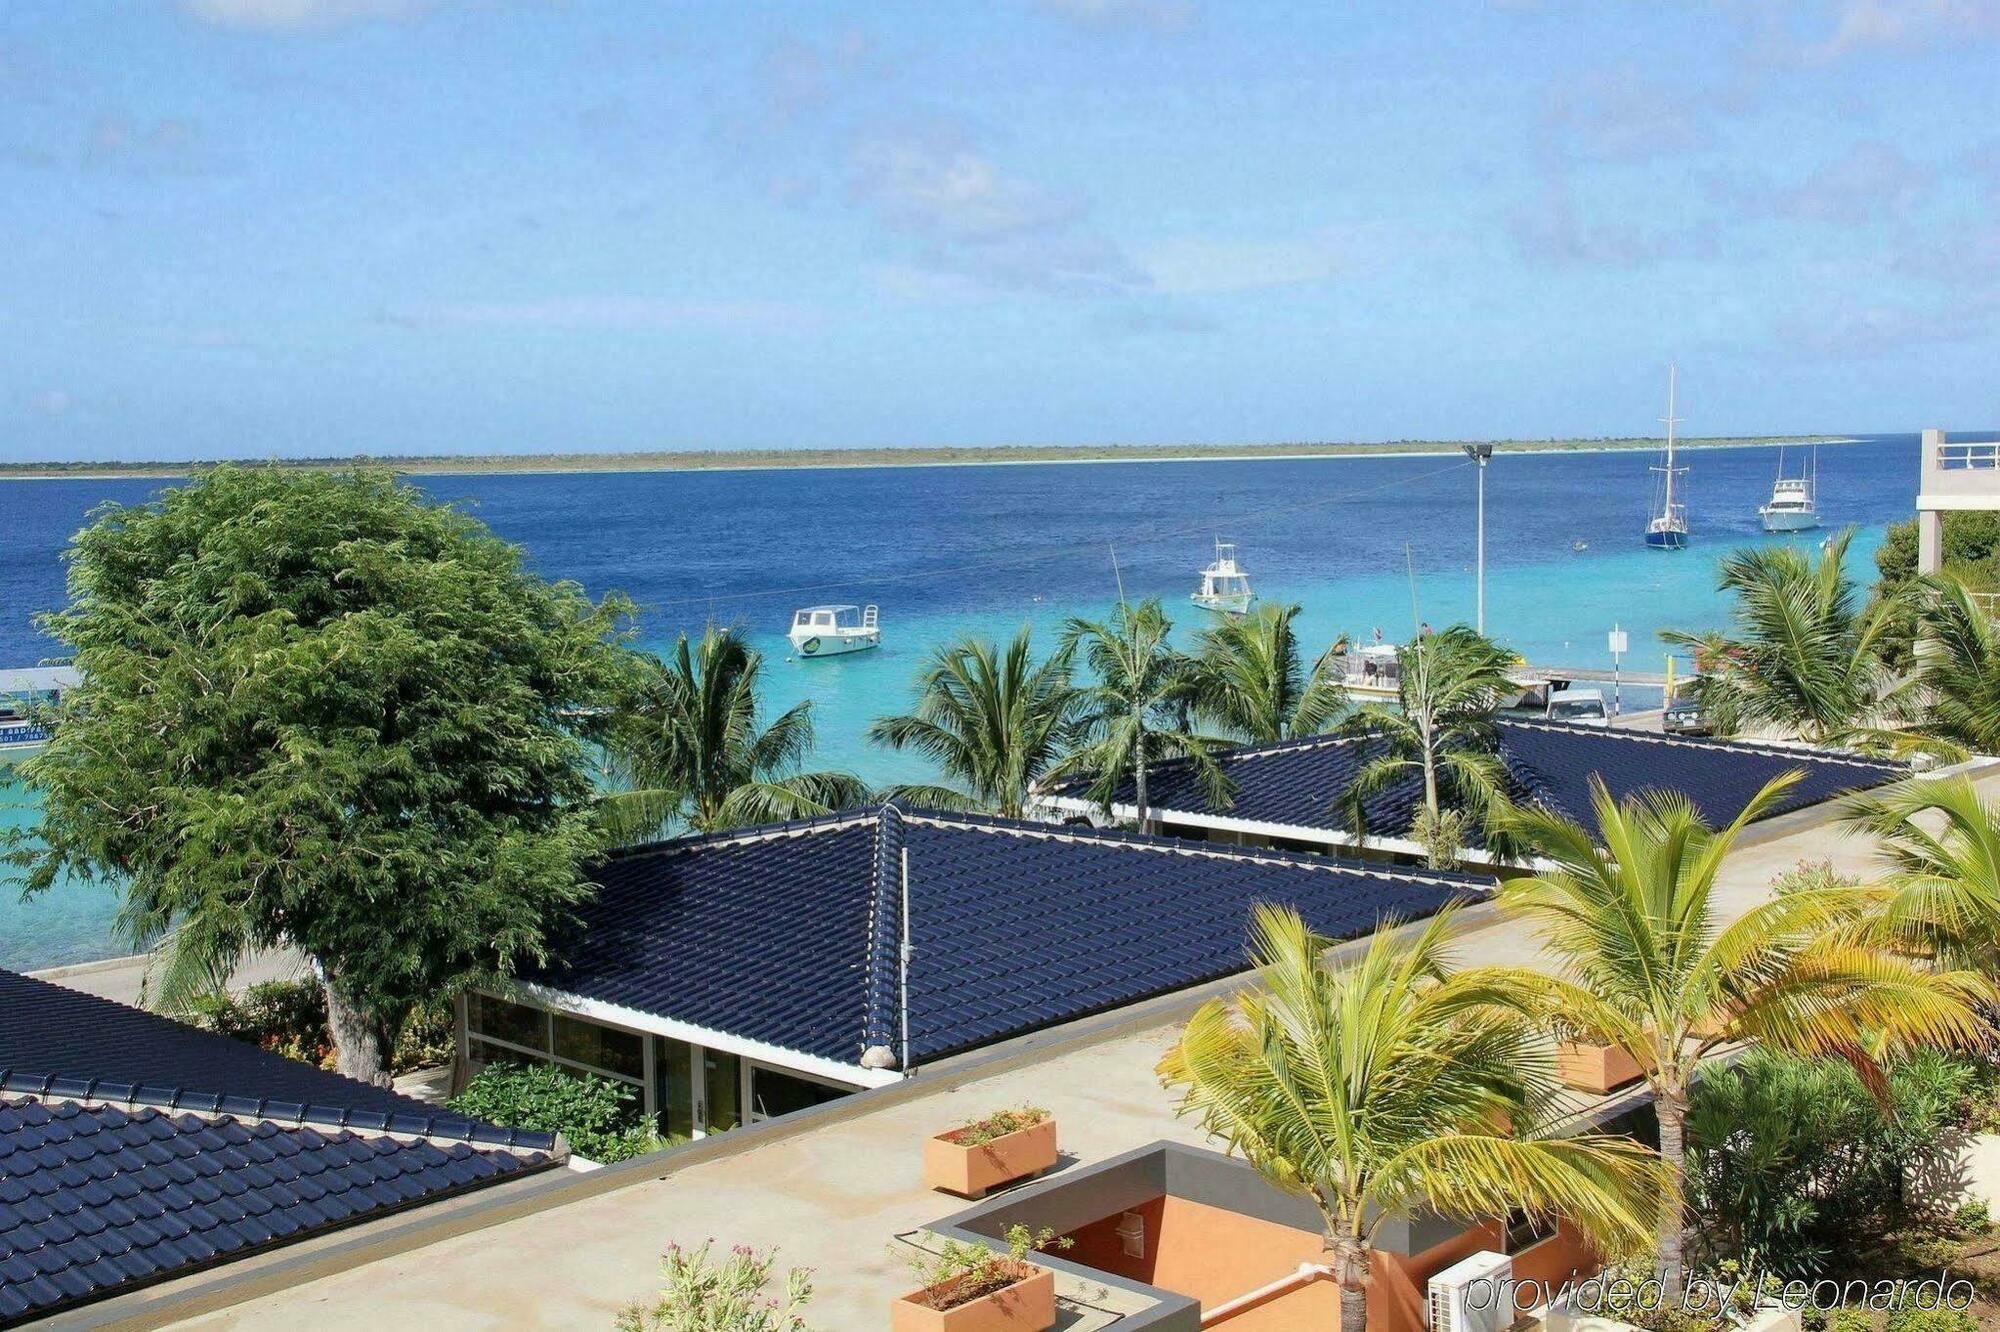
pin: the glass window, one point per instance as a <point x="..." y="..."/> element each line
<point x="722" y="1087"/>
<point x="600" y="1046"/>
<point x="775" y="1093"/>
<point x="673" y="1086"/>
<point x="480" y="1052"/>
<point x="1524" y="1232"/>
<point x="504" y="1020"/>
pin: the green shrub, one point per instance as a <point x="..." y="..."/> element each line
<point x="600" y="1119"/>
<point x="1846" y="1319"/>
<point x="1928" y="1251"/>
<point x="288" y="1017"/>
<point x="1972" y="1218"/>
<point x="730" y="1296"/>
<point x="1812" y="876"/>
<point x="1912" y="1319"/>
<point x="998" y="1125"/>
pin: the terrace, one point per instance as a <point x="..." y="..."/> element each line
<point x="836" y="1188"/>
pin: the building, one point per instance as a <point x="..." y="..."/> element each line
<point x="736" y="977"/>
<point x="1953" y="478"/>
<point x="135" y="1150"/>
<point x="1293" y="794"/>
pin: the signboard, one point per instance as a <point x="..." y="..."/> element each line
<point x="1620" y="642"/>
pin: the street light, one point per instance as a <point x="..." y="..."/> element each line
<point x="1479" y="453"/>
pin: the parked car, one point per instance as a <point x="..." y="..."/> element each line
<point x="1582" y="707"/>
<point x="1684" y="717"/>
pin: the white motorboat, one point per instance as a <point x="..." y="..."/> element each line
<point x="26" y="696"/>
<point x="1225" y="586"/>
<point x="1793" y="507"/>
<point x="834" y="631"/>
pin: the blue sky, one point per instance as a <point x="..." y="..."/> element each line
<point x="253" y="227"/>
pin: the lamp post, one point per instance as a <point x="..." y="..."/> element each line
<point x="1479" y="453"/>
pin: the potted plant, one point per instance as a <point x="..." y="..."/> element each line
<point x="1004" y="1146"/>
<point x="1588" y="1066"/>
<point x="970" y="1288"/>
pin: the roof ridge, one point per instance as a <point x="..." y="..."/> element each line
<point x="293" y="1114"/>
<point x="1768" y="748"/>
<point x="1153" y="842"/>
<point x="881" y="967"/>
<point x="760" y="832"/>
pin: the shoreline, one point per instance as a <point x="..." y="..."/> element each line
<point x="773" y="460"/>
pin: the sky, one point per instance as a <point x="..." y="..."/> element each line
<point x="311" y="227"/>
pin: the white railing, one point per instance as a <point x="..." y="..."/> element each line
<point x="868" y="618"/>
<point x="1986" y="601"/>
<point x="1968" y="457"/>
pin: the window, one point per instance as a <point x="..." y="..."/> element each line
<point x="602" y="1048"/>
<point x="1524" y="1233"/>
<point x="516" y="1024"/>
<point x="722" y="1090"/>
<point x="774" y="1093"/>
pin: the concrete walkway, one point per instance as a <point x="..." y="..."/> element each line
<point x="832" y="1194"/>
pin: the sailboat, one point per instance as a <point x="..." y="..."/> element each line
<point x="1669" y="528"/>
<point x="1793" y="507"/>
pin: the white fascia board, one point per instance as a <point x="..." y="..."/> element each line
<point x="777" y="1056"/>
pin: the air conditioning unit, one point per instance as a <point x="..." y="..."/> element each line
<point x="1473" y="1295"/>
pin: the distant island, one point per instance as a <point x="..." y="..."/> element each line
<point x="703" y="460"/>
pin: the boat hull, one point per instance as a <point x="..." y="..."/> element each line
<point x="1791" y="520"/>
<point x="1666" y="540"/>
<point x="1231" y="605"/>
<point x="812" y="647"/>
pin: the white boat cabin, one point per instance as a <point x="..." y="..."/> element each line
<point x="832" y="631"/>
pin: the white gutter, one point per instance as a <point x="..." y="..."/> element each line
<point x="1307" y="1274"/>
<point x="777" y="1056"/>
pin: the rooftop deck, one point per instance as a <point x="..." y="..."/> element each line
<point x="831" y="1190"/>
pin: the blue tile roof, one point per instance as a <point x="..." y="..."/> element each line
<point x="96" y="1200"/>
<point x="1298" y="783"/>
<point x="134" y="1148"/>
<point x="789" y="935"/>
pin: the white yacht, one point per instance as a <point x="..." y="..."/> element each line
<point x="1225" y="586"/>
<point x="1668" y="529"/>
<point x="1792" y="507"/>
<point x="833" y="631"/>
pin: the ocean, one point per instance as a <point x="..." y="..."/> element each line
<point x="1359" y="543"/>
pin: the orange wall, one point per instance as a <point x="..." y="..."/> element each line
<point x="1214" y="1255"/>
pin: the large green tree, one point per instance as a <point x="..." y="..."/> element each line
<point x="689" y="747"/>
<point x="1954" y="696"/>
<point x="993" y="720"/>
<point x="1253" y="682"/>
<point x="1804" y="656"/>
<point x="318" y="712"/>
<point x="1389" y="1086"/>
<point x="1137" y="707"/>
<point x="1448" y="688"/>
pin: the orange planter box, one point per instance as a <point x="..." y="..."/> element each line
<point x="971" y="1171"/>
<point x="1595" y="1068"/>
<point x="1029" y="1305"/>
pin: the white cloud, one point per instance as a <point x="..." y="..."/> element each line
<point x="971" y="217"/>
<point x="1149" y="13"/>
<point x="1909" y="26"/>
<point x="301" y="15"/>
<point x="1206" y="264"/>
<point x="53" y="403"/>
<point x="1872" y="179"/>
<point x="629" y="313"/>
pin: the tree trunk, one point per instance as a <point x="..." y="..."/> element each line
<point x="1671" y="1106"/>
<point x="360" y="1046"/>
<point x="1353" y="1309"/>
<point x="1139" y="782"/>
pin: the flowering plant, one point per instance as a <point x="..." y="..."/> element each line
<point x="731" y="1295"/>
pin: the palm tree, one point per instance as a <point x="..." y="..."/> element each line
<point x="1804" y="657"/>
<point x="1645" y="962"/>
<point x="1254" y="684"/>
<point x="1448" y="687"/>
<point x="1941" y="897"/>
<point x="993" y="722"/>
<point x="1138" y="708"/>
<point x="1382" y="1087"/>
<point x="1957" y="686"/>
<point x="688" y="748"/>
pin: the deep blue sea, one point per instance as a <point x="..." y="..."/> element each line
<point x="1359" y="542"/>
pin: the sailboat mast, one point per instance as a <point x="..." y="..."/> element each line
<point x="1672" y="371"/>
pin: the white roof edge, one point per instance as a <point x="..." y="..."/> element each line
<point x="763" y="1052"/>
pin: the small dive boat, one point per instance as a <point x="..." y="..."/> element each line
<point x="1225" y="587"/>
<point x="834" y="631"/>
<point x="1668" y="529"/>
<point x="1793" y="507"/>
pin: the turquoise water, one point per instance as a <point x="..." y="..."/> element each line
<point x="981" y="550"/>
